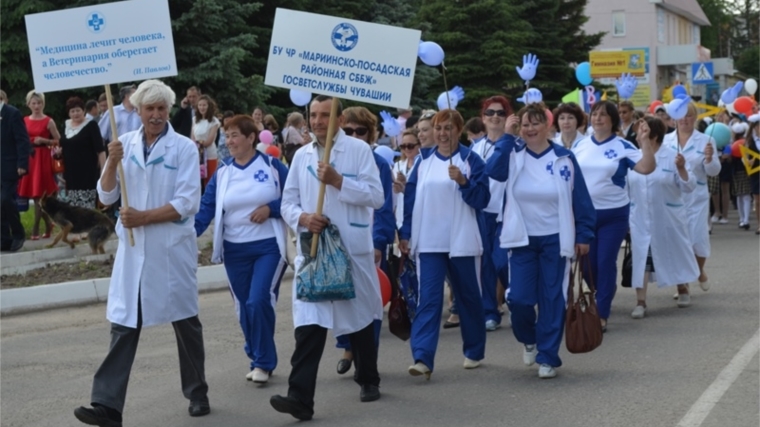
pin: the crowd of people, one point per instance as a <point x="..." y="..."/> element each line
<point x="497" y="216"/>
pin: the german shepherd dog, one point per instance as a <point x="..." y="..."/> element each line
<point x="75" y="219"/>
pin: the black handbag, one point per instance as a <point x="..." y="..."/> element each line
<point x="626" y="272"/>
<point x="398" y="315"/>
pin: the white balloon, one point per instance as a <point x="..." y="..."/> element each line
<point x="451" y="103"/>
<point x="750" y="86"/>
<point x="299" y="97"/>
<point x="430" y="53"/>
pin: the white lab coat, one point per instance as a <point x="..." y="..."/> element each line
<point x="659" y="219"/>
<point x="698" y="201"/>
<point x="350" y="209"/>
<point x="161" y="266"/>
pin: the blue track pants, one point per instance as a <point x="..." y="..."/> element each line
<point x="254" y="270"/>
<point x="611" y="227"/>
<point x="539" y="276"/>
<point x="465" y="283"/>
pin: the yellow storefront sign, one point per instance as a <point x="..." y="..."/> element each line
<point x="615" y="63"/>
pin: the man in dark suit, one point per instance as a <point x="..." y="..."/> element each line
<point x="14" y="160"/>
<point x="182" y="122"/>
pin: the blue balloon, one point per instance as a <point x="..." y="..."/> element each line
<point x="678" y="91"/>
<point x="430" y="53"/>
<point x="720" y="133"/>
<point x="583" y="73"/>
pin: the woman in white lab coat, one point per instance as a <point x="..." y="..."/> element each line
<point x="660" y="239"/>
<point x="699" y="150"/>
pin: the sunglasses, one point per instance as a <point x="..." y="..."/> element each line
<point x="407" y="146"/>
<point x="361" y="131"/>
<point x="491" y="113"/>
<point x="427" y="116"/>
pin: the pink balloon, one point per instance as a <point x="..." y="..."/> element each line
<point x="549" y="117"/>
<point x="266" y="137"/>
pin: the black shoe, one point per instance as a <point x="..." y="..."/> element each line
<point x="344" y="365"/>
<point x="97" y="416"/>
<point x="199" y="408"/>
<point x="292" y="406"/>
<point x="369" y="393"/>
<point x="16" y="245"/>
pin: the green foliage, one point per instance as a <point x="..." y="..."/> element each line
<point x="482" y="40"/>
<point x="749" y="62"/>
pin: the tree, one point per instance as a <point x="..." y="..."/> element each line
<point x="557" y="39"/>
<point x="483" y="41"/>
<point x="749" y="62"/>
<point x="716" y="36"/>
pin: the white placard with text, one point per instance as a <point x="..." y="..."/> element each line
<point x="102" y="44"/>
<point x="344" y="58"/>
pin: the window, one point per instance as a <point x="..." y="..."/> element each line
<point x="618" y="24"/>
<point x="660" y="26"/>
<point x="695" y="35"/>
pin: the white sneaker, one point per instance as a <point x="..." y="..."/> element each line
<point x="714" y="219"/>
<point x="529" y="355"/>
<point x="249" y="376"/>
<point x="639" y="312"/>
<point x="684" y="300"/>
<point x="705" y="286"/>
<point x="546" y="371"/>
<point x="675" y="296"/>
<point x="723" y="221"/>
<point x="491" y="325"/>
<point x="259" y="376"/>
<point x="418" y="369"/>
<point x="471" y="364"/>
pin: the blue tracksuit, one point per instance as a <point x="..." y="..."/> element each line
<point x="254" y="270"/>
<point x="383" y="235"/>
<point x="539" y="273"/>
<point x="463" y="270"/>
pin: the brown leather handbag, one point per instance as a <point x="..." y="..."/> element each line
<point x="583" y="329"/>
<point x="398" y="316"/>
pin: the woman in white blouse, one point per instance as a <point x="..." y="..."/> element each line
<point x="205" y="128"/>
<point x="570" y="121"/>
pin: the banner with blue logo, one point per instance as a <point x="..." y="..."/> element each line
<point x="341" y="57"/>
<point x="101" y="44"/>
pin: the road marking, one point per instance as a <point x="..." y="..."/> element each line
<point x="702" y="407"/>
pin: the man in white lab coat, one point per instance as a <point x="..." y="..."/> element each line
<point x="353" y="192"/>
<point x="153" y="282"/>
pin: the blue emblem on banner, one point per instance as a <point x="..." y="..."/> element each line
<point x="345" y="37"/>
<point x="96" y="22"/>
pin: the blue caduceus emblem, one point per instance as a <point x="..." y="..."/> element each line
<point x="260" y="176"/>
<point x="345" y="37"/>
<point x="96" y="22"/>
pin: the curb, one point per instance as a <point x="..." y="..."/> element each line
<point x="82" y="292"/>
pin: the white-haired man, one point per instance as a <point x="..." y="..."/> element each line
<point x="154" y="281"/>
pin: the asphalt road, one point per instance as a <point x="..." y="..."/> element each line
<point x="677" y="367"/>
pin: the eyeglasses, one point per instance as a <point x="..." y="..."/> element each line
<point x="407" y="146"/>
<point x="427" y="116"/>
<point x="491" y="113"/>
<point x="360" y="131"/>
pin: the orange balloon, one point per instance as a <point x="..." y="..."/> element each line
<point x="736" y="150"/>
<point x="385" y="286"/>
<point x="744" y="105"/>
<point x="273" y="151"/>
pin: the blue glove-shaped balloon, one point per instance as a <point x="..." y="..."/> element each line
<point x="729" y="95"/>
<point x="531" y="96"/>
<point x="528" y="70"/>
<point x="450" y="99"/>
<point x="390" y="124"/>
<point x="626" y="85"/>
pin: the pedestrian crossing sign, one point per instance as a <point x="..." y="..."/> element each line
<point x="702" y="73"/>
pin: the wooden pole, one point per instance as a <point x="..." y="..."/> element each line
<point x="331" y="130"/>
<point x="122" y="181"/>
